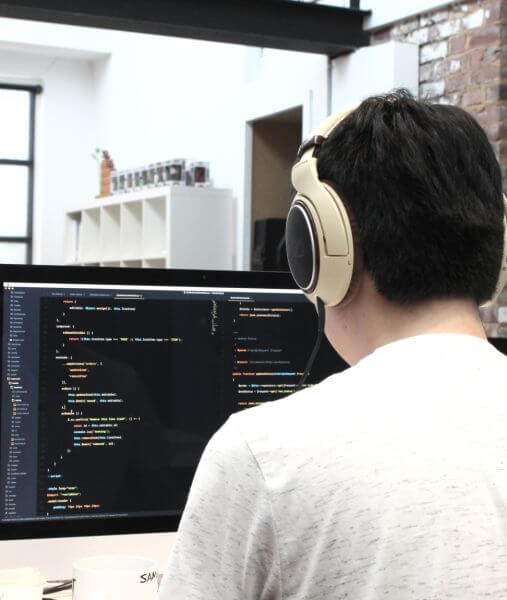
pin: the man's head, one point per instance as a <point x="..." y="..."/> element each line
<point x="426" y="191"/>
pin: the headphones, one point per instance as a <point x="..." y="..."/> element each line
<point x="322" y="237"/>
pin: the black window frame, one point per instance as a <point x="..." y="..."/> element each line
<point x="34" y="91"/>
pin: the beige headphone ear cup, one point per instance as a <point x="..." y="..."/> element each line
<point x="358" y="263"/>
<point x="334" y="243"/>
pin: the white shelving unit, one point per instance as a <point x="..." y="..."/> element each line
<point x="177" y="226"/>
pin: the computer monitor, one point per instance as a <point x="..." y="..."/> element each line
<point x="113" y="381"/>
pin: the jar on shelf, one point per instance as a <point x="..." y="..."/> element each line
<point x="174" y="171"/>
<point x="197" y="174"/>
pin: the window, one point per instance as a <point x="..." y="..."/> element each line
<point x="17" y="126"/>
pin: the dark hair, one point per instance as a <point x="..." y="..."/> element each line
<point x="426" y="190"/>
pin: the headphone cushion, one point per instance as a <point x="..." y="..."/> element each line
<point x="302" y="247"/>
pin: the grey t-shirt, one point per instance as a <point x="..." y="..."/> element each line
<point x="385" y="482"/>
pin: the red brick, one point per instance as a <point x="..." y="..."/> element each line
<point x="455" y="98"/>
<point x="485" y="73"/>
<point x="455" y="83"/>
<point x="498" y="92"/>
<point x="457" y="44"/>
<point x="502" y="151"/>
<point x="493" y="113"/>
<point x="495" y="11"/>
<point x="493" y="132"/>
<point x="493" y="93"/>
<point x="484" y="36"/>
<point x="480" y="114"/>
<point x="488" y="314"/>
<point x="476" y="56"/>
<point x="491" y="53"/>
<point x="473" y="96"/>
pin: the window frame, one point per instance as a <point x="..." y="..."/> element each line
<point x="33" y="90"/>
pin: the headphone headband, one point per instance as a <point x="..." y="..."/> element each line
<point x="320" y="133"/>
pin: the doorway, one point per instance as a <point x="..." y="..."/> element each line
<point x="275" y="141"/>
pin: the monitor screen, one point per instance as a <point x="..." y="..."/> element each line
<point x="114" y="380"/>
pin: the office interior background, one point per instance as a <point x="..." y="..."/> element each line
<point x="68" y="93"/>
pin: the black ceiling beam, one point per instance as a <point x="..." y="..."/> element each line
<point x="283" y="24"/>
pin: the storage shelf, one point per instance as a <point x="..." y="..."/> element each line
<point x="174" y="226"/>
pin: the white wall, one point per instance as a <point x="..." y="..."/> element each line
<point x="283" y="80"/>
<point x="374" y="70"/>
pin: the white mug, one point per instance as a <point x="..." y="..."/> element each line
<point x="114" y="577"/>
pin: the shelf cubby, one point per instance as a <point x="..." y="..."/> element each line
<point x="110" y="232"/>
<point x="155" y="228"/>
<point x="89" y="241"/>
<point x="131" y="229"/>
<point x="72" y="236"/>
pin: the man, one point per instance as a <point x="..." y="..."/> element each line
<point x="386" y="481"/>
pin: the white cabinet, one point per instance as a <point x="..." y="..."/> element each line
<point x="178" y="226"/>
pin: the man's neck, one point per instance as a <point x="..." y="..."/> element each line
<point x="370" y="321"/>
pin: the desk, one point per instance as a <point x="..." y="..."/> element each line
<point x="54" y="557"/>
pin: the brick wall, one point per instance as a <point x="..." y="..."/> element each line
<point x="463" y="61"/>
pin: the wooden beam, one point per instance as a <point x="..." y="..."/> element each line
<point x="283" y="24"/>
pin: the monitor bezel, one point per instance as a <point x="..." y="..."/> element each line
<point x="120" y="276"/>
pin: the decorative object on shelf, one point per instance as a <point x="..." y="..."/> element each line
<point x="197" y="173"/>
<point x="174" y="171"/>
<point x="177" y="171"/>
<point x="106" y="168"/>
